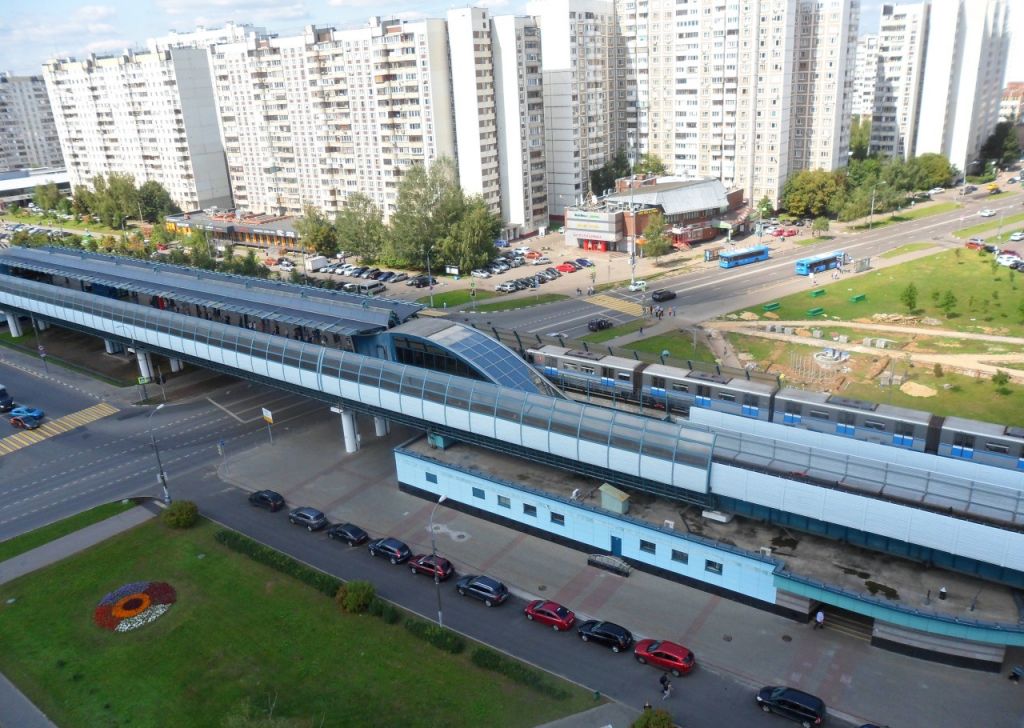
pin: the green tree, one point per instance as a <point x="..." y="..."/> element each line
<point x="603" y="178"/>
<point x="470" y="244"/>
<point x="1011" y="149"/>
<point x="82" y="200"/>
<point x="765" y="207"/>
<point x="155" y="202"/>
<point x="653" y="719"/>
<point x="820" y="225"/>
<point x="47" y="196"/>
<point x="809" y="192"/>
<point x="316" y="232"/>
<point x="199" y="255"/>
<point x="948" y="302"/>
<point x="860" y="138"/>
<point x="359" y="228"/>
<point x="930" y="170"/>
<point x="908" y="297"/>
<point x="428" y="204"/>
<point x="656" y="243"/>
<point x="650" y="164"/>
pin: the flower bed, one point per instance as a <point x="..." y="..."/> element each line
<point x="133" y="605"/>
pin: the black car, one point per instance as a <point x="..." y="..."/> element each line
<point x="269" y="499"/>
<point x="599" y="324"/>
<point x="311" y="518"/>
<point x="350" y="533"/>
<point x="421" y="281"/>
<point x="489" y="591"/>
<point x="390" y="548"/>
<point x="663" y="294"/>
<point x="606" y="633"/>
<point x="804" y="708"/>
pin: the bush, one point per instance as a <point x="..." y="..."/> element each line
<point x="442" y="639"/>
<point x="355" y="597"/>
<point x="323" y="583"/>
<point x="390" y="614"/>
<point x="654" y="719"/>
<point x="516" y="671"/>
<point x="180" y="514"/>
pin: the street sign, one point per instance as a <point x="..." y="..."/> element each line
<point x="143" y="380"/>
<point x="268" y="416"/>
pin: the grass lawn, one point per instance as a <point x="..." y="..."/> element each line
<point x="678" y="344"/>
<point x="511" y="303"/>
<point x="596" y="337"/>
<point x="992" y="223"/>
<point x="909" y="213"/>
<point x="988" y="297"/>
<point x="238" y="632"/>
<point x="908" y="248"/>
<point x="26" y="343"/>
<point x="27" y="541"/>
<point x="455" y="298"/>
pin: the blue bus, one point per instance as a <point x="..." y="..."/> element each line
<point x="818" y="263"/>
<point x="733" y="258"/>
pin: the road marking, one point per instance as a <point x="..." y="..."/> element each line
<point x="225" y="410"/>
<point x="616" y="304"/>
<point x="55" y="427"/>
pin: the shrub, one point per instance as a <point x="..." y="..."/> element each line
<point x="488" y="659"/>
<point x="654" y="719"/>
<point x="390" y="614"/>
<point x="355" y="597"/>
<point x="180" y="514"/>
<point x="324" y="583"/>
<point x="442" y="639"/>
<point x="376" y="607"/>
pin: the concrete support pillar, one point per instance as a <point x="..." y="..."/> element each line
<point x="145" y="363"/>
<point x="175" y="365"/>
<point x="40" y="324"/>
<point x="112" y="347"/>
<point x="380" y="426"/>
<point x="350" y="431"/>
<point x="14" y="325"/>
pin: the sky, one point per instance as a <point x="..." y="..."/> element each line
<point x="32" y="32"/>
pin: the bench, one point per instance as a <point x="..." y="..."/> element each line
<point x="774" y="306"/>
<point x="858" y="298"/>
<point x="818" y="292"/>
<point x="815" y="311"/>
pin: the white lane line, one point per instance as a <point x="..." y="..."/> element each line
<point x="226" y="411"/>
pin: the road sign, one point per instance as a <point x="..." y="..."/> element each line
<point x="268" y="416"/>
<point x="143" y="380"/>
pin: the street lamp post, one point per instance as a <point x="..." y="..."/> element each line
<point x="433" y="552"/>
<point x="871" y="218"/>
<point x="430" y="280"/>
<point x="161" y="476"/>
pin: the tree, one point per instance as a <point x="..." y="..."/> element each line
<point x="316" y="232"/>
<point x="930" y="170"/>
<point x="155" y="202"/>
<point x="650" y="164"/>
<point x="428" y="204"/>
<point x="860" y="138"/>
<point x="47" y="196"/>
<point x="199" y="251"/>
<point x="359" y="228"/>
<point x="809" y="192"/>
<point x="82" y="200"/>
<point x="603" y="178"/>
<point x="656" y="243"/>
<point x="653" y="719"/>
<point x="820" y="225"/>
<point x="765" y="207"/>
<point x="470" y="244"/>
<point x="908" y="297"/>
<point x="1011" y="149"/>
<point x="948" y="302"/>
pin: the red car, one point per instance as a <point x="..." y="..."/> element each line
<point x="789" y="232"/>
<point x="778" y="233"/>
<point x="430" y="565"/>
<point x="552" y="613"/>
<point x="667" y="655"/>
<point x="566" y="268"/>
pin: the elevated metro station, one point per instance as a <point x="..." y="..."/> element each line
<point x="710" y="502"/>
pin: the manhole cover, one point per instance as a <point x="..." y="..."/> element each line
<point x="460" y="537"/>
<point x="542" y="587"/>
<point x="786" y="638"/>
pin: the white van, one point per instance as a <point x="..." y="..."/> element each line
<point x="372" y="288"/>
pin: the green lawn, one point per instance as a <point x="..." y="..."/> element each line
<point x="910" y="213"/>
<point x="678" y="344"/>
<point x="992" y="223"/>
<point x="455" y="298"/>
<point x="629" y="327"/>
<point x="26" y="343"/>
<point x="908" y="248"/>
<point x="511" y="303"/>
<point x="989" y="297"/>
<point x="238" y="632"/>
<point x="27" y="541"/>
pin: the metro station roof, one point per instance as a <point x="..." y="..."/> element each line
<point x="316" y="308"/>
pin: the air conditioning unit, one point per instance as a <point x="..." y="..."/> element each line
<point x="766" y="550"/>
<point x="670" y="525"/>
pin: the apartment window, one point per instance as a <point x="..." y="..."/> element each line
<point x="431" y="478"/>
<point x="504" y="501"/>
<point x="714" y="567"/>
<point x="529" y="510"/>
<point x="647" y="547"/>
<point x="478" y="493"/>
<point x="680" y="557"/>
<point x="558" y="519"/>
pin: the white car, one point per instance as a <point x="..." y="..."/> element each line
<point x="542" y="260"/>
<point x="987" y="212"/>
<point x="638" y="286"/>
<point x="936" y="190"/>
<point x="1007" y="259"/>
<point x="287" y="267"/>
<point x="1017" y="236"/>
<point x="523" y="250"/>
<point x="480" y="273"/>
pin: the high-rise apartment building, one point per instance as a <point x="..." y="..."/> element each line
<point x="581" y="110"/>
<point x="519" y="106"/>
<point x="965" y="59"/>
<point x="28" y="136"/>
<point x="151" y="115"/>
<point x="865" y="77"/>
<point x="902" y="36"/>
<point x="1011" y="106"/>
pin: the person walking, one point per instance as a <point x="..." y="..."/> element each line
<point x="819" y="620"/>
<point x="666" y="688"/>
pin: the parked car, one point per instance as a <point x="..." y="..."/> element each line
<point x="287" y="267"/>
<point x="369" y="274"/>
<point x="663" y="294"/>
<point x="523" y="250"/>
<point x="386" y="277"/>
<point x="566" y="268"/>
<point x="552" y="272"/>
<point x="507" y="287"/>
<point x="399" y="277"/>
<point x="421" y="281"/>
<point x="542" y="260"/>
<point x="605" y="633"/>
<point x="806" y="709"/>
<point x="27" y="412"/>
<point x="553" y="614"/>
<point x="531" y="255"/>
<point x="664" y="654"/>
<point x="585" y="262"/>
<point x="357" y="271"/>
<point x="638" y="286"/>
<point x="994" y="249"/>
<point x="480" y="273"/>
<point x="1013" y="180"/>
<point x="350" y="533"/>
<point x="432" y="566"/>
<point x="269" y="499"/>
<point x="936" y="190"/>
<point x="975" y="243"/>
<point x="1007" y="260"/>
<point x="311" y="518"/>
<point x="24" y="422"/>
<point x="390" y="548"/>
<point x="599" y="324"/>
<point x="789" y="232"/>
<point x="987" y="212"/>
<point x="1017" y="236"/>
<point x="489" y="591"/>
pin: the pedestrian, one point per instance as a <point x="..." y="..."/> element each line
<point x="647" y="705"/>
<point x="673" y="312"/>
<point x="579" y="292"/>
<point x="819" y="620"/>
<point x="666" y="690"/>
<point x="641" y="330"/>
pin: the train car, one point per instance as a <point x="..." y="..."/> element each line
<point x="982" y="442"/>
<point x="677" y="390"/>
<point x="868" y="421"/>
<point x="588" y="371"/>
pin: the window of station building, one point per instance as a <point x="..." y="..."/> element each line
<point x="479" y="493"/>
<point x="431" y="478"/>
<point x="648" y="547"/>
<point x="714" y="567"/>
<point x="558" y="519"/>
<point x="529" y="510"/>
<point x="504" y="501"/>
<point x="680" y="557"/>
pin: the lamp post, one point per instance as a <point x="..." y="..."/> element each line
<point x="871" y="219"/>
<point x="161" y="476"/>
<point x="430" y="279"/>
<point x="433" y="552"/>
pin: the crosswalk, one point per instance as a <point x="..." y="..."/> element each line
<point x="51" y="428"/>
<point x="616" y="304"/>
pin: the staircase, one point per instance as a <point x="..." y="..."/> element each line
<point x="855" y="625"/>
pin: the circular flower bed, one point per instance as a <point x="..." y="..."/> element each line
<point x="134" y="605"/>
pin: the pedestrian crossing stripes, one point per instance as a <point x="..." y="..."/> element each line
<point x="426" y="311"/>
<point x="616" y="304"/>
<point x="51" y="428"/>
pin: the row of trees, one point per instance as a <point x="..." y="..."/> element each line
<point x="115" y="198"/>
<point x="433" y="218"/>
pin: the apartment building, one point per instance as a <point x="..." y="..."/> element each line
<point x="1011" y="106"/>
<point x="865" y="77"/>
<point x="519" y="107"/>
<point x="966" y="54"/>
<point x="28" y="136"/>
<point x="150" y="114"/>
<point x="902" y="36"/>
<point x="581" y="110"/>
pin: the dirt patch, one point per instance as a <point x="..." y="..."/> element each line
<point x="771" y="315"/>
<point x="749" y="316"/>
<point x="917" y="390"/>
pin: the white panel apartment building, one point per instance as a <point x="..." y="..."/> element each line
<point x="865" y="76"/>
<point x="151" y="115"/>
<point x="28" y="136"/>
<point x="968" y="42"/>
<point x="902" y="35"/>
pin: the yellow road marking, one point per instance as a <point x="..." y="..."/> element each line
<point x="52" y="428"/>
<point x="616" y="304"/>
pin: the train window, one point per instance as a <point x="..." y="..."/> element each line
<point x="874" y="425"/>
<point x="680" y="387"/>
<point x="623" y="376"/>
<point x="588" y="370"/>
<point x="997" y="448"/>
<point x="904" y="429"/>
<point x="703" y="390"/>
<point x="847" y="418"/>
<point x="793" y="408"/>
<point x="750" y="400"/>
<point x="962" y="440"/>
<point x="658" y="382"/>
<point x="606" y="372"/>
<point x="727" y="396"/>
<point x="819" y="415"/>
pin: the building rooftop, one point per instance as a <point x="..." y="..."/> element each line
<point x="675" y="197"/>
<point x="234" y="221"/>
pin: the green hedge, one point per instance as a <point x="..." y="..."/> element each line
<point x="180" y="514"/>
<point x="442" y="639"/>
<point x="385" y="610"/>
<point x="356" y="596"/>
<point x="324" y="583"/>
<point x="516" y="671"/>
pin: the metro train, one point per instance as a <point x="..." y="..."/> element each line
<point x="759" y="396"/>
